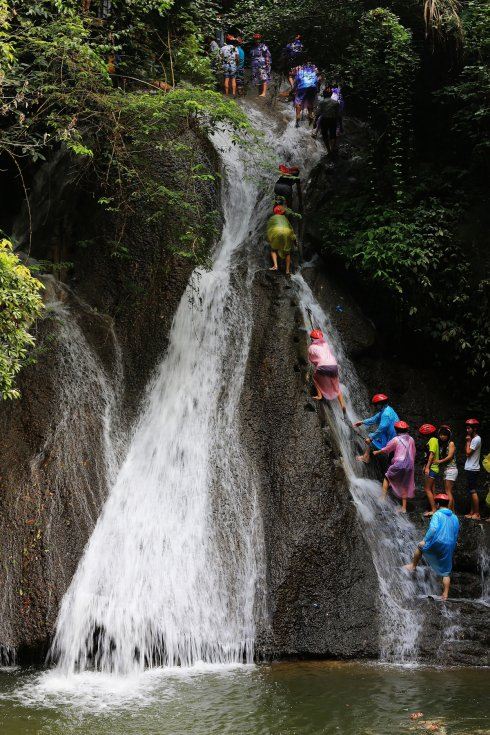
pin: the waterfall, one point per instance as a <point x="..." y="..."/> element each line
<point x="171" y="572"/>
<point x="391" y="537"/>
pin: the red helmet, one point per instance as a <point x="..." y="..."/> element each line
<point x="427" y="429"/>
<point x="257" y="36"/>
<point x="472" y="422"/>
<point x="284" y="169"/>
<point x="441" y="496"/>
<point x="229" y="37"/>
<point x="401" y="425"/>
<point x="279" y="209"/>
<point x="379" y="398"/>
<point x="316" y="334"/>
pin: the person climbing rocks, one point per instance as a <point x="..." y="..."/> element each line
<point x="294" y="52"/>
<point x="304" y="80"/>
<point x="327" y="120"/>
<point x="447" y="461"/>
<point x="261" y="65"/>
<point x="240" y="70"/>
<point x="431" y="464"/>
<point x="439" y="543"/>
<point x="281" y="238"/>
<point x="400" y="474"/>
<point x="384" y="419"/>
<point x="472" y="466"/>
<point x="326" y="374"/>
<point x="283" y="188"/>
<point x="229" y="59"/>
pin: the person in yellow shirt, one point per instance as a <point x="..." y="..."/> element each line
<point x="431" y="467"/>
<point x="281" y="238"/>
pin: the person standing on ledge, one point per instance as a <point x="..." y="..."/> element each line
<point x="326" y="374"/>
<point x="439" y="543"/>
<point x="384" y="420"/>
<point x="472" y="466"/>
<point x="400" y="474"/>
<point x="261" y="64"/>
<point x="431" y="467"/>
<point x="229" y="57"/>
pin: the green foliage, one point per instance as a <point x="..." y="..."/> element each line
<point x="20" y="305"/>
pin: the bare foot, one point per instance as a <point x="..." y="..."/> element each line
<point x="444" y="596"/>
<point x="401" y="510"/>
<point x="409" y="567"/>
<point x="317" y="398"/>
<point x="362" y="458"/>
<point x="261" y="95"/>
<point x="273" y="269"/>
<point x="428" y="513"/>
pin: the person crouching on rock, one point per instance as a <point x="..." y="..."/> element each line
<point x="439" y="543"/>
<point x="281" y="238"/>
<point x="400" y="474"/>
<point x="384" y="420"/>
<point x="326" y="374"/>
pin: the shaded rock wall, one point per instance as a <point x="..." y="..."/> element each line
<point x="96" y="354"/>
<point x="322" y="588"/>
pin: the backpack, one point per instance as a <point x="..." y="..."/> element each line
<point x="307" y="77"/>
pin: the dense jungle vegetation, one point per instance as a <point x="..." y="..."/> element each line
<point x="110" y="80"/>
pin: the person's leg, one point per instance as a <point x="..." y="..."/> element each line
<point x="386" y="487"/>
<point x="415" y="561"/>
<point x="227" y="85"/>
<point x="264" y="89"/>
<point x="446" y="583"/>
<point x="429" y="491"/>
<point x="366" y="457"/>
<point x="288" y="264"/>
<point x="233" y="86"/>
<point x="297" y="107"/>
<point x="274" y="260"/>
<point x="404" y="505"/>
<point x="448" y="487"/>
<point x="340" y="398"/>
<point x="472" y="480"/>
<point x="475" y="506"/>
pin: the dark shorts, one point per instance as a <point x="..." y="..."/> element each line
<point x="305" y="97"/>
<point x="240" y="76"/>
<point x="286" y="192"/>
<point x="472" y="477"/>
<point x="328" y="128"/>
<point x="434" y="475"/>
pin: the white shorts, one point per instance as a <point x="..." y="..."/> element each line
<point x="451" y="473"/>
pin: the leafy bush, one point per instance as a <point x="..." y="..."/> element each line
<point x="20" y="305"/>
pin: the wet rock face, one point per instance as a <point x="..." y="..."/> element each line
<point x="322" y="588"/>
<point x="52" y="476"/>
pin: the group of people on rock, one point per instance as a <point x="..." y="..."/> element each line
<point x="304" y="79"/>
<point x="390" y="441"/>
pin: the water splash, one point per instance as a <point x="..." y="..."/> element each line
<point x="170" y="574"/>
<point x="391" y="537"/>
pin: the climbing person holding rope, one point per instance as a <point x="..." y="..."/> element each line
<point x="281" y="238"/>
<point x="400" y="474"/>
<point x="326" y="373"/>
<point x="384" y="420"/>
<point x="439" y="543"/>
<point x="283" y="188"/>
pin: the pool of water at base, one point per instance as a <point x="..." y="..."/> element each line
<point x="294" y="698"/>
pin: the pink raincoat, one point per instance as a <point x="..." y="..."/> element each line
<point x="326" y="375"/>
<point x="400" y="473"/>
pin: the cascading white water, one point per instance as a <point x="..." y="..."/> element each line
<point x="391" y="537"/>
<point x="171" y="571"/>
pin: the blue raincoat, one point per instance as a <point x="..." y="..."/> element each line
<point x="440" y="541"/>
<point x="385" y="431"/>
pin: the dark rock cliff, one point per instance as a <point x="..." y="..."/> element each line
<point x="322" y="589"/>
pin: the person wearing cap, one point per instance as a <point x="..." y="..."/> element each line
<point x="447" y="461"/>
<point x="229" y="58"/>
<point x="283" y="188"/>
<point x="472" y="466"/>
<point x="400" y="474"/>
<point x="281" y="238"/>
<point x="261" y="64"/>
<point x="439" y="543"/>
<point x="326" y="373"/>
<point x="384" y="420"/>
<point x="431" y="464"/>
<point x="293" y="52"/>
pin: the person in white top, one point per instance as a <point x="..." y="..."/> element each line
<point x="472" y="466"/>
